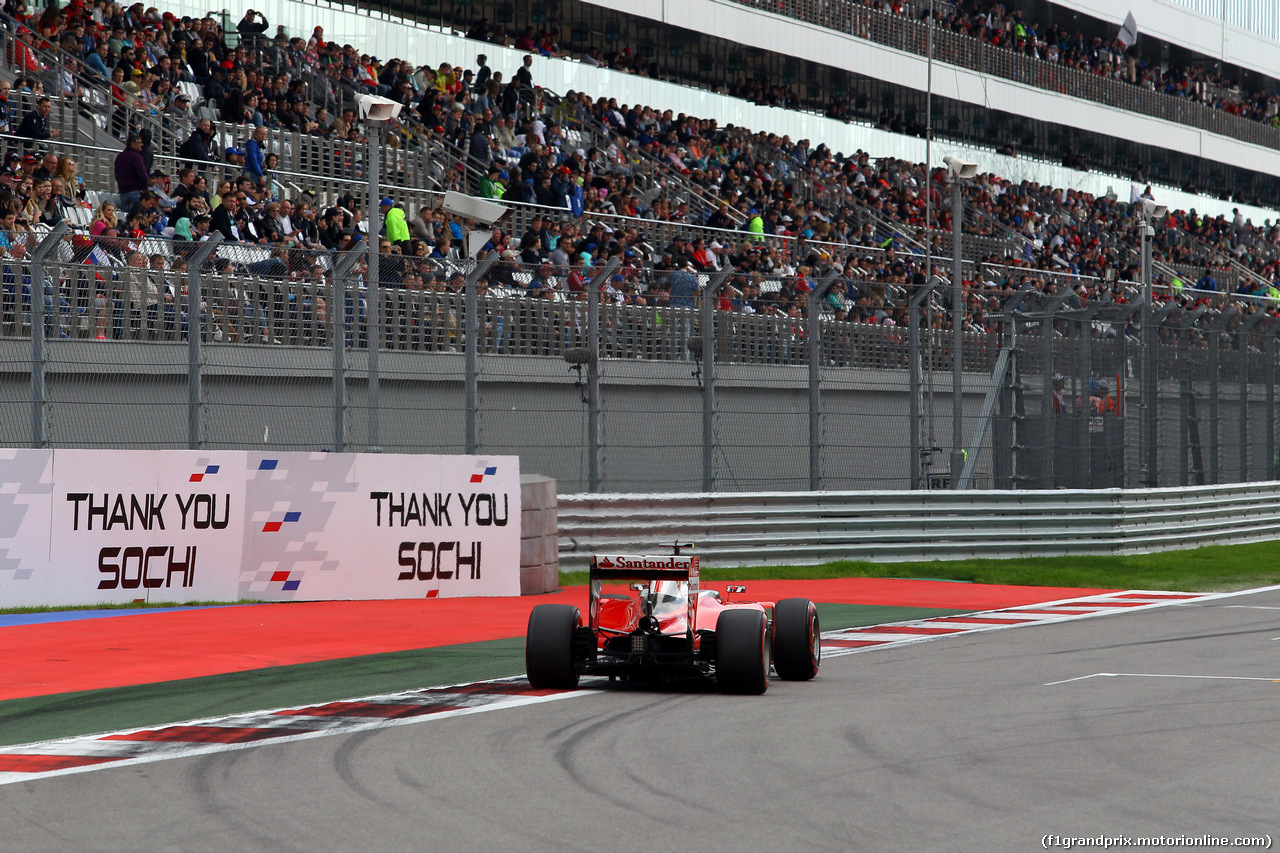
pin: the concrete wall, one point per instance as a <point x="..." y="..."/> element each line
<point x="105" y="394"/>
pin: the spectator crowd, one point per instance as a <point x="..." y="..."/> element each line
<point x="682" y="196"/>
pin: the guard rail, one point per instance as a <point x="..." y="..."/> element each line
<point x="805" y="528"/>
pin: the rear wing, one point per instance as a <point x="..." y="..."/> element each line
<point x="640" y="567"/>
<point x="631" y="567"/>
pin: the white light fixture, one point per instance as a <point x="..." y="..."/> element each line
<point x="468" y="207"/>
<point x="959" y="168"/>
<point x="377" y="108"/>
<point x="1151" y="210"/>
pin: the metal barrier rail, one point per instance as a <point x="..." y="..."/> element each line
<point x="805" y="528"/>
<point x="147" y="305"/>
<point x="97" y="168"/>
<point x="75" y="102"/>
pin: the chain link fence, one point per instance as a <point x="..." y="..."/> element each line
<point x="621" y="378"/>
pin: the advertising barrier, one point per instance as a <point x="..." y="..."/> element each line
<point x="117" y="526"/>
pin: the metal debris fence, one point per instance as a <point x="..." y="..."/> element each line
<point x="624" y="379"/>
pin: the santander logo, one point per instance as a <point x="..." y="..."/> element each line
<point x="659" y="563"/>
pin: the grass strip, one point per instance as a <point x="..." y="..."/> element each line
<point x="86" y="712"/>
<point x="1216" y="568"/>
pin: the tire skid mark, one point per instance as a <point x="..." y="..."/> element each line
<point x="574" y="738"/>
<point x="236" y="732"/>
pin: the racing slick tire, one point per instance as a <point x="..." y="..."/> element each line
<point x="797" y="639"/>
<point x="548" y="646"/>
<point x="742" y="651"/>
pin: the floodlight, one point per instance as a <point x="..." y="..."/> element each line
<point x="481" y="210"/>
<point x="1154" y="211"/>
<point x="958" y="168"/>
<point x="376" y="108"/>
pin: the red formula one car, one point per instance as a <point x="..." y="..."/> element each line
<point x="649" y="620"/>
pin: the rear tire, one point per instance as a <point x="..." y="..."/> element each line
<point x="548" y="646"/>
<point x="742" y="651"/>
<point x="797" y="639"/>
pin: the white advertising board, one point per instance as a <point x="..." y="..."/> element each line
<point x="26" y="501"/>
<point x="332" y="526"/>
<point x="155" y="525"/>
<point x="98" y="526"/>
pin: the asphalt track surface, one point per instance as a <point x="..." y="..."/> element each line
<point x="984" y="741"/>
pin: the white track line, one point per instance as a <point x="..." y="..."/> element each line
<point x="1160" y="675"/>
<point x="1061" y="610"/>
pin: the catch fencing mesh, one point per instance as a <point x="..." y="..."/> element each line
<point x="620" y="378"/>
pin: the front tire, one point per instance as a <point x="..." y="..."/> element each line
<point x="548" y="646"/>
<point x="742" y="651"/>
<point x="797" y="639"/>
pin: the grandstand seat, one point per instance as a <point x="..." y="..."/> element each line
<point x="193" y="92"/>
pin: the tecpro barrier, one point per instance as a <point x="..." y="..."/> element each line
<point x="116" y="526"/>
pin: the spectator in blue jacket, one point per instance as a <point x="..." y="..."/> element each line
<point x="255" y="154"/>
<point x="95" y="64"/>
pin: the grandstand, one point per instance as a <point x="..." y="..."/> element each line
<point x="618" y="140"/>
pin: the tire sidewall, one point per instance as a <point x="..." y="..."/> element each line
<point x="797" y="639"/>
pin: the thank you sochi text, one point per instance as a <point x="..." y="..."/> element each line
<point x="146" y="563"/>
<point x="440" y="557"/>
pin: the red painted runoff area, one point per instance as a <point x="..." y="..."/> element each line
<point x="145" y="648"/>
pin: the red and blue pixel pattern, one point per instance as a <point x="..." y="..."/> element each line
<point x="485" y="470"/>
<point x="274" y="526"/>
<point x="200" y="475"/>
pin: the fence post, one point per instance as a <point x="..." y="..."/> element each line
<point x="471" y="342"/>
<point x="195" y="338"/>
<point x="373" y="286"/>
<point x="814" y="334"/>
<point x="340" y="286"/>
<point x="1004" y="456"/>
<point x="1159" y="314"/>
<point x="1273" y="328"/>
<point x="39" y="317"/>
<point x="593" y="372"/>
<point x="1046" y="407"/>
<point x="1215" y="368"/>
<point x="1119" y="320"/>
<point x="915" y="380"/>
<point x="1084" y="339"/>
<point x="1185" y="391"/>
<point x="707" y="309"/>
<point x="1245" y="328"/>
